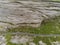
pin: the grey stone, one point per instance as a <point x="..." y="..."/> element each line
<point x="27" y="13"/>
<point x="2" y="40"/>
<point x="21" y="39"/>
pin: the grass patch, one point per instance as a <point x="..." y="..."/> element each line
<point x="47" y="27"/>
<point x="36" y="40"/>
<point x="46" y="40"/>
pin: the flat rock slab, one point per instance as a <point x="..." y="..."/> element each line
<point x="27" y="13"/>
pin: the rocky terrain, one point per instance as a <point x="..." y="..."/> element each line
<point x="14" y="15"/>
<point x="27" y="13"/>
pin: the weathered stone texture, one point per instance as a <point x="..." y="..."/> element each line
<point x="27" y="13"/>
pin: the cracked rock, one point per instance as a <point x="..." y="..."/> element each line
<point x="27" y="13"/>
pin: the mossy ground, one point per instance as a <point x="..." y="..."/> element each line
<point x="47" y="27"/>
<point x="55" y="0"/>
<point x="36" y="40"/>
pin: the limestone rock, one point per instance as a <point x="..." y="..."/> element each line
<point x="21" y="39"/>
<point x="2" y="40"/>
<point x="27" y="13"/>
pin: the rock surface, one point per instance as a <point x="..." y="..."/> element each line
<point x="27" y="13"/>
<point x="2" y="40"/>
<point x="21" y="39"/>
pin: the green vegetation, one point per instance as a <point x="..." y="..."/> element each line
<point x="47" y="27"/>
<point x="55" y="0"/>
<point x="47" y="40"/>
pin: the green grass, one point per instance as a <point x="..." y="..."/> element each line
<point x="36" y="40"/>
<point x="47" y="27"/>
<point x="46" y="40"/>
<point x="55" y="0"/>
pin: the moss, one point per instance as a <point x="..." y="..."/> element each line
<point x="47" y="27"/>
